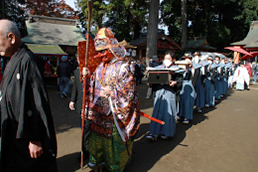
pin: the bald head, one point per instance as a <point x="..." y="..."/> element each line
<point x="10" y="38"/>
<point x="7" y="26"/>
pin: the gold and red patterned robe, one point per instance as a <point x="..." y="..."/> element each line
<point x="124" y="98"/>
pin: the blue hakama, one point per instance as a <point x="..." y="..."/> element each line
<point x="221" y="82"/>
<point x="200" y="91"/>
<point x="209" y="92"/>
<point x="165" y="110"/>
<point x="187" y="98"/>
<point x="217" y="88"/>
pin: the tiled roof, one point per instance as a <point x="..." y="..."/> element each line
<point x="199" y="43"/>
<point x="143" y="41"/>
<point x="251" y="39"/>
<point x="52" y="34"/>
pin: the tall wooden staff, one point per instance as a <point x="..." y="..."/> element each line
<point x="85" y="79"/>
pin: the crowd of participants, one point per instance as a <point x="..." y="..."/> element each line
<point x="28" y="138"/>
<point x="198" y="82"/>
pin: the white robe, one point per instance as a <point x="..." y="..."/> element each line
<point x="241" y="77"/>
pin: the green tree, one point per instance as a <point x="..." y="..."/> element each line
<point x="13" y="11"/>
<point x="126" y="18"/>
<point x="98" y="12"/>
<point x="220" y="21"/>
<point x="171" y="16"/>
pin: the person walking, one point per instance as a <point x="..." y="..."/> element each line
<point x="28" y="139"/>
<point x="113" y="108"/>
<point x="200" y="83"/>
<point x="63" y="72"/>
<point x="137" y="72"/>
<point x="187" y="93"/>
<point x="76" y="104"/>
<point x="241" y="77"/>
<point x="165" y="103"/>
<point x="210" y="83"/>
<point x="255" y="69"/>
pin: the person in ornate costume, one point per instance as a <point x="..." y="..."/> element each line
<point x="113" y="106"/>
<point x="165" y="103"/>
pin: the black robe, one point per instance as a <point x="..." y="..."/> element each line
<point x="25" y="116"/>
<point x="195" y="77"/>
<point x="77" y="91"/>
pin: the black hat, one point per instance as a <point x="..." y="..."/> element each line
<point x="197" y="53"/>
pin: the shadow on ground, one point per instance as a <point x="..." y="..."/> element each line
<point x="64" y="118"/>
<point x="70" y="162"/>
<point x="145" y="153"/>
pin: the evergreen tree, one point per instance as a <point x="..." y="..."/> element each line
<point x="98" y="13"/>
<point x="126" y="18"/>
<point x="171" y="17"/>
<point x="12" y="10"/>
<point x="220" y="21"/>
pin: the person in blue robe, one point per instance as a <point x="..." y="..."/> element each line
<point x="200" y="84"/>
<point x="200" y="88"/>
<point x="187" y="95"/>
<point x="227" y="74"/>
<point x="222" y="81"/>
<point x="218" y="79"/>
<point x="165" y="107"/>
<point x="210" y="84"/>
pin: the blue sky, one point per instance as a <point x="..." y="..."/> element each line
<point x="70" y="3"/>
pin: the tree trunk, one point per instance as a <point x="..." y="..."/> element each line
<point x="2" y="17"/>
<point x="152" y="35"/>
<point x="184" y="23"/>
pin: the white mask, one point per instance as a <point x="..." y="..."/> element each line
<point x="217" y="62"/>
<point x="196" y="59"/>
<point x="209" y="61"/>
<point x="167" y="63"/>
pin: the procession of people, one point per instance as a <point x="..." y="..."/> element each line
<point x="112" y="116"/>
<point x="205" y="79"/>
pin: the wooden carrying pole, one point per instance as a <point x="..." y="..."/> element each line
<point x="85" y="79"/>
<point x="152" y="118"/>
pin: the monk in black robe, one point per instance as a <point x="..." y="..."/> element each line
<point x="28" y="141"/>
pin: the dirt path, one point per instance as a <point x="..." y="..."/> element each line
<point x="223" y="138"/>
